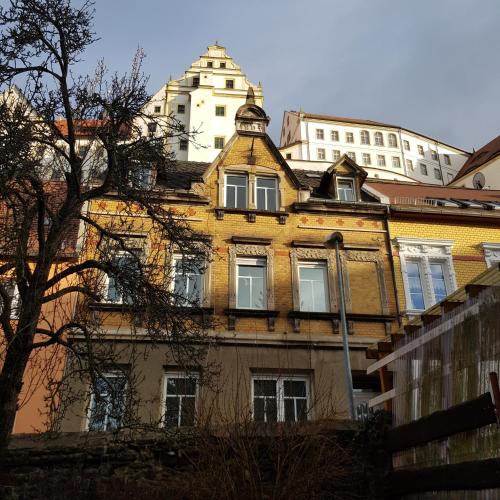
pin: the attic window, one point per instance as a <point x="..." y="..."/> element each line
<point x="345" y="190"/>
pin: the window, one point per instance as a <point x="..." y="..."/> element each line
<point x="183" y="144"/>
<point x="280" y="399"/>
<point x="349" y="137"/>
<point x="220" y="110"/>
<point x="210" y="64"/>
<point x="437" y="174"/>
<point x="420" y="150"/>
<point x="392" y="140"/>
<point x="351" y="155"/>
<point x="181" y="394"/>
<point x="396" y="162"/>
<point x="438" y="281"/>
<point x="365" y="137"/>
<point x="415" y="286"/>
<point x="334" y="135"/>
<point x="336" y="155"/>
<point x="188" y="280"/>
<point x="450" y="177"/>
<point x="423" y="169"/>
<point x="289" y="156"/>
<point x="367" y="159"/>
<point x="406" y="145"/>
<point x="409" y="165"/>
<point x="236" y="191"/>
<point x="491" y="253"/>
<point x="447" y="160"/>
<point x="125" y="267"/>
<point x="428" y="273"/>
<point x="11" y="288"/>
<point x="251" y="284"/>
<point x="196" y="81"/>
<point x="157" y="109"/>
<point x="218" y="142"/>
<point x="345" y="190"/>
<point x="229" y="84"/>
<point x="320" y="134"/>
<point x="266" y="193"/>
<point x="381" y="160"/>
<point x="434" y="154"/>
<point x="107" y="402"/>
<point x="379" y="139"/>
<point x="152" y="126"/>
<point x="321" y="153"/>
<point x="222" y="65"/>
<point x="313" y="287"/>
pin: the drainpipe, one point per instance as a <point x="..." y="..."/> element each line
<point x="391" y="261"/>
<point x="439" y="164"/>
<point x="307" y="139"/>
<point x="334" y="240"/>
<point x="402" y="153"/>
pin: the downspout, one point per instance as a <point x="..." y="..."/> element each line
<point x="439" y="164"/>
<point x="402" y="153"/>
<point x="307" y="140"/>
<point x="391" y="261"/>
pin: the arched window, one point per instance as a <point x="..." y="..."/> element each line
<point x="379" y="139"/>
<point x="393" y="141"/>
<point x="365" y="137"/>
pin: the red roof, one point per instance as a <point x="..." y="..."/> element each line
<point x="82" y="127"/>
<point x="399" y="191"/>
<point x="480" y="157"/>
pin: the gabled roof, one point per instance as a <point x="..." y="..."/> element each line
<point x="480" y="157"/>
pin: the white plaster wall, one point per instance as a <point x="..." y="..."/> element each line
<point x="491" y="172"/>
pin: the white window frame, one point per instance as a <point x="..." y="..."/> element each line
<point x="420" y="150"/>
<point x="364" y="137"/>
<point x="220" y="106"/>
<point x="392" y="140"/>
<point x="381" y="161"/>
<point x="163" y="406"/>
<point x="334" y="136"/>
<point x="235" y="174"/>
<point x="320" y="134"/>
<point x="315" y="265"/>
<point x="349" y="137"/>
<point x="321" y="153"/>
<point x="378" y="139"/>
<point x="336" y="155"/>
<point x="178" y="257"/>
<point x="256" y="262"/>
<point x="280" y="393"/>
<point x="406" y="145"/>
<point x="219" y="137"/>
<point x="266" y="189"/>
<point x="351" y="181"/>
<point x="409" y="164"/>
<point x="491" y="253"/>
<point x="447" y="159"/>
<point x="109" y="374"/>
<point x="367" y="159"/>
<point x="396" y="162"/>
<point x="426" y="252"/>
<point x="423" y="169"/>
<point x="351" y="155"/>
<point x="117" y="253"/>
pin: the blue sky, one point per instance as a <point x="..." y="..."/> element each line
<point x="432" y="65"/>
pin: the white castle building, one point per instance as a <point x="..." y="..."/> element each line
<point x="205" y="100"/>
<point x="314" y="142"/>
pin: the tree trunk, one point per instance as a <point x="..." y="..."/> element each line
<point x="11" y="383"/>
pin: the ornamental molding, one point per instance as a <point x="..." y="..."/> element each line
<point x="249" y="250"/>
<point x="421" y="247"/>
<point x="311" y="253"/>
<point x="363" y="256"/>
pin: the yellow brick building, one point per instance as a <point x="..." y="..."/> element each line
<point x="270" y="290"/>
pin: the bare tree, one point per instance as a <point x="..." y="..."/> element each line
<point x="66" y="141"/>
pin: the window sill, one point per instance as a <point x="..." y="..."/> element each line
<point x="232" y="314"/>
<point x="116" y="306"/>
<point x="251" y="214"/>
<point x="334" y="317"/>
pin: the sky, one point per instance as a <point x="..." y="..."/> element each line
<point x="432" y="66"/>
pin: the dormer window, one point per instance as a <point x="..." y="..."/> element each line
<point x="236" y="192"/>
<point x="266" y="189"/>
<point x="345" y="189"/>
